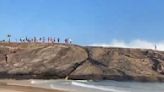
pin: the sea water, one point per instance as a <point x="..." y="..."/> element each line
<point x="100" y="86"/>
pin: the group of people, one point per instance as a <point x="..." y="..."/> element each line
<point x="42" y="40"/>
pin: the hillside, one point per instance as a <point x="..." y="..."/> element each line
<point x="60" y="61"/>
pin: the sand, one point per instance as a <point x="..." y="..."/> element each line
<point x="5" y="87"/>
<point x="5" y="90"/>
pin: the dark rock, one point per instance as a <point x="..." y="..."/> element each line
<point x="59" y="61"/>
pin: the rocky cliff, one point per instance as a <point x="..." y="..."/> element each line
<point x="59" y="61"/>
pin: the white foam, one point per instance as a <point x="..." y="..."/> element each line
<point x="37" y="81"/>
<point x="84" y="81"/>
<point x="96" y="87"/>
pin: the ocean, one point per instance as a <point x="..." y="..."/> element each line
<point x="99" y="86"/>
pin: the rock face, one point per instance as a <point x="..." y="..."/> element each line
<point x="59" y="61"/>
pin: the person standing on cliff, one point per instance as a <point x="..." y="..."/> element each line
<point x="20" y="40"/>
<point x="54" y="40"/>
<point x="66" y="41"/>
<point x="58" y="40"/>
<point x="70" y="41"/>
<point x="26" y="39"/>
<point x="155" y="47"/>
<point x="40" y="39"/>
<point x="48" y="39"/>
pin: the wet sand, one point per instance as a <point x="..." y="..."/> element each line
<point x="5" y="87"/>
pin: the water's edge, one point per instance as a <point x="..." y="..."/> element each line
<point x="98" y="86"/>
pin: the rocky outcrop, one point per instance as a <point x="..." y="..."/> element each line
<point x="59" y="61"/>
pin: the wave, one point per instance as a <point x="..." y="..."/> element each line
<point x="96" y="87"/>
<point x="38" y="81"/>
<point x="84" y="81"/>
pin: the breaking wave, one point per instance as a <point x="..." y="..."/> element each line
<point x="97" y="87"/>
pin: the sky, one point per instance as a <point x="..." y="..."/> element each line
<point x="86" y="22"/>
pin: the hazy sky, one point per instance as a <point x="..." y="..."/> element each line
<point x="85" y="21"/>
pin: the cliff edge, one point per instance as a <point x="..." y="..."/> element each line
<point x="60" y="61"/>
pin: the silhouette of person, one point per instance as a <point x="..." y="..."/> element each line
<point x="35" y="39"/>
<point x="40" y="39"/>
<point x="20" y="40"/>
<point x="26" y="39"/>
<point x="58" y="40"/>
<point x="70" y="40"/>
<point x="48" y="39"/>
<point x="54" y="40"/>
<point x="155" y="47"/>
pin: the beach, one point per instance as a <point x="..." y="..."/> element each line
<point x="78" y="86"/>
<point x="21" y="86"/>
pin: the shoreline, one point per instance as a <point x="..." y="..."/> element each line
<point x="22" y="86"/>
<point x="32" y="85"/>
